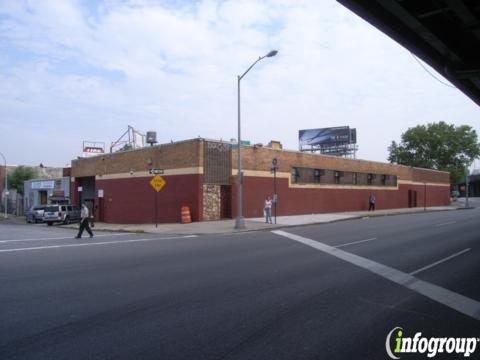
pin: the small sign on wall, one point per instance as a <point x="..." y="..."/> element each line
<point x="43" y="185"/>
<point x="100" y="193"/>
<point x="80" y="189"/>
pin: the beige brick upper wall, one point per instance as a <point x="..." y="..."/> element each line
<point x="185" y="154"/>
<point x="189" y="154"/>
<point x="260" y="159"/>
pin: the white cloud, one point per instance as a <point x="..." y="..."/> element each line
<point x="71" y="72"/>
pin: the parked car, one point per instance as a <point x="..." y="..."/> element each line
<point x="61" y="213"/>
<point x="35" y="214"/>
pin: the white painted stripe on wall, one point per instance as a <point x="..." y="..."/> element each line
<point x="436" y="293"/>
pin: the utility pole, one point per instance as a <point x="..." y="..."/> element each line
<point x="6" y="186"/>
<point x="466" y="190"/>
<point x="275" y="196"/>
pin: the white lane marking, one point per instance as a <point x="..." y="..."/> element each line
<point x="58" y="238"/>
<point x="439" y="262"/>
<point x="355" y="242"/>
<point x="446" y="223"/>
<point x="441" y="295"/>
<point x="94" y="243"/>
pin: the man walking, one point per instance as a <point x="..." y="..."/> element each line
<point x="84" y="222"/>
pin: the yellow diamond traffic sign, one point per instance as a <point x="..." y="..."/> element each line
<point x="157" y="183"/>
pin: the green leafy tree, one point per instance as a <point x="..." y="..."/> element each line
<point x="18" y="176"/>
<point x="438" y="146"/>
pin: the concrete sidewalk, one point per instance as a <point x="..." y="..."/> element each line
<point x="253" y="224"/>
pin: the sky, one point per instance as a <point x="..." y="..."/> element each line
<point x="75" y="71"/>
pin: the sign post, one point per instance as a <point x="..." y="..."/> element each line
<point x="157" y="183"/>
<point x="80" y="197"/>
<point x="424" y="196"/>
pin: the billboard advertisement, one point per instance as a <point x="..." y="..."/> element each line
<point x="324" y="136"/>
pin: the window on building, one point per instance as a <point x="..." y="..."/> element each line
<point x="337" y="177"/>
<point x="304" y="175"/>
<point x="369" y="179"/>
<point x="295" y="175"/>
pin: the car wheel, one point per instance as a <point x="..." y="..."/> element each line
<point x="49" y="223"/>
<point x="66" y="221"/>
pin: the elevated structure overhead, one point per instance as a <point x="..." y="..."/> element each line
<point x="443" y="33"/>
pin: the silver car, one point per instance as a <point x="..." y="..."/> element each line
<point x="35" y="214"/>
<point x="61" y="213"/>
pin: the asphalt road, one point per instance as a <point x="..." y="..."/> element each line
<point x="259" y="295"/>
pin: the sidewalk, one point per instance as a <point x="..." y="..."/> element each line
<point x="252" y="224"/>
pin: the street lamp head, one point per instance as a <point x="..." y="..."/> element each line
<point x="272" y="53"/>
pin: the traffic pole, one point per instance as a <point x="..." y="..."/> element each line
<point x="156" y="209"/>
<point x="275" y="191"/>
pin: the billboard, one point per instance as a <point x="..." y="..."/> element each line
<point x="325" y="136"/>
<point x="91" y="148"/>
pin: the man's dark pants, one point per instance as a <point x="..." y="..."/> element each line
<point x="84" y="225"/>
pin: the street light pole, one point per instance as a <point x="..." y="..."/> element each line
<point x="467" y="205"/>
<point x="424" y="196"/>
<point x="240" y="221"/>
<point x="6" y="185"/>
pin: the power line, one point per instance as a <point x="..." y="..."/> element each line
<point x="430" y="73"/>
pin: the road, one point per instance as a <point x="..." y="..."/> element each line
<point x="331" y="291"/>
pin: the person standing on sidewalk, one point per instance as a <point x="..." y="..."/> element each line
<point x="84" y="222"/>
<point x="268" y="210"/>
<point x="371" y="202"/>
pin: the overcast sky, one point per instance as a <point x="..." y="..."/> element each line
<point x="84" y="70"/>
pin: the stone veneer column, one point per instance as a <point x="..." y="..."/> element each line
<point x="211" y="202"/>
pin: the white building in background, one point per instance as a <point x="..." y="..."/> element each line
<point x="46" y="191"/>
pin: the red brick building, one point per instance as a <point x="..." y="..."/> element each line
<point x="201" y="173"/>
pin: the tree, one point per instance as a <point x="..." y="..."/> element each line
<point x="438" y="146"/>
<point x="18" y="176"/>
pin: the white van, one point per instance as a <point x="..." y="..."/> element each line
<point x="61" y="213"/>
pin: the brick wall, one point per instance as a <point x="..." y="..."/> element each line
<point x="128" y="197"/>
<point x="260" y="159"/>
<point x="183" y="154"/>
<point x="431" y="187"/>
<point x="132" y="200"/>
<point x="293" y="201"/>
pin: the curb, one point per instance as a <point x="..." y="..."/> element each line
<point x="288" y="226"/>
<point x="274" y="226"/>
